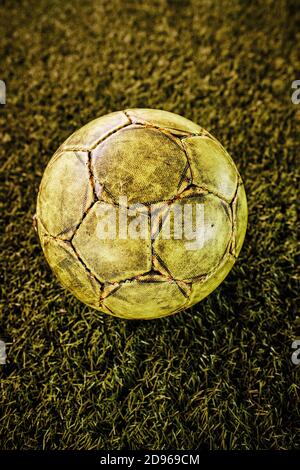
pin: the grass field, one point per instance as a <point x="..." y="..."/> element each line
<point x="218" y="376"/>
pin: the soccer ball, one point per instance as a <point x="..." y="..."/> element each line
<point x="141" y="213"/>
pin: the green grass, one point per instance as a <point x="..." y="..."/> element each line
<point x="219" y="375"/>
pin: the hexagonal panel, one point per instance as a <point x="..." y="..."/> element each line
<point x="202" y="288"/>
<point x="164" y="119"/>
<point x="240" y="217"/>
<point x="211" y="166"/>
<point x="140" y="163"/>
<point x="89" y="135"/>
<point x="65" y="193"/>
<point x="146" y="300"/>
<point x="199" y="230"/>
<point x="110" y="253"/>
<point x="70" y="271"/>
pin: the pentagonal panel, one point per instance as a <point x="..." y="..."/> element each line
<point x="140" y="163"/>
<point x="70" y="271"/>
<point x="114" y="246"/>
<point x="240" y="215"/>
<point x="146" y="300"/>
<point x="194" y="237"/>
<point x="65" y="193"/>
<point x="211" y="166"/>
<point x="203" y="287"/>
<point x="163" y="119"/>
<point x="89" y="135"/>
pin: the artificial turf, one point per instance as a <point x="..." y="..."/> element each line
<point x="219" y="375"/>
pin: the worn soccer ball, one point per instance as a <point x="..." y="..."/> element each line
<point x="141" y="213"/>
